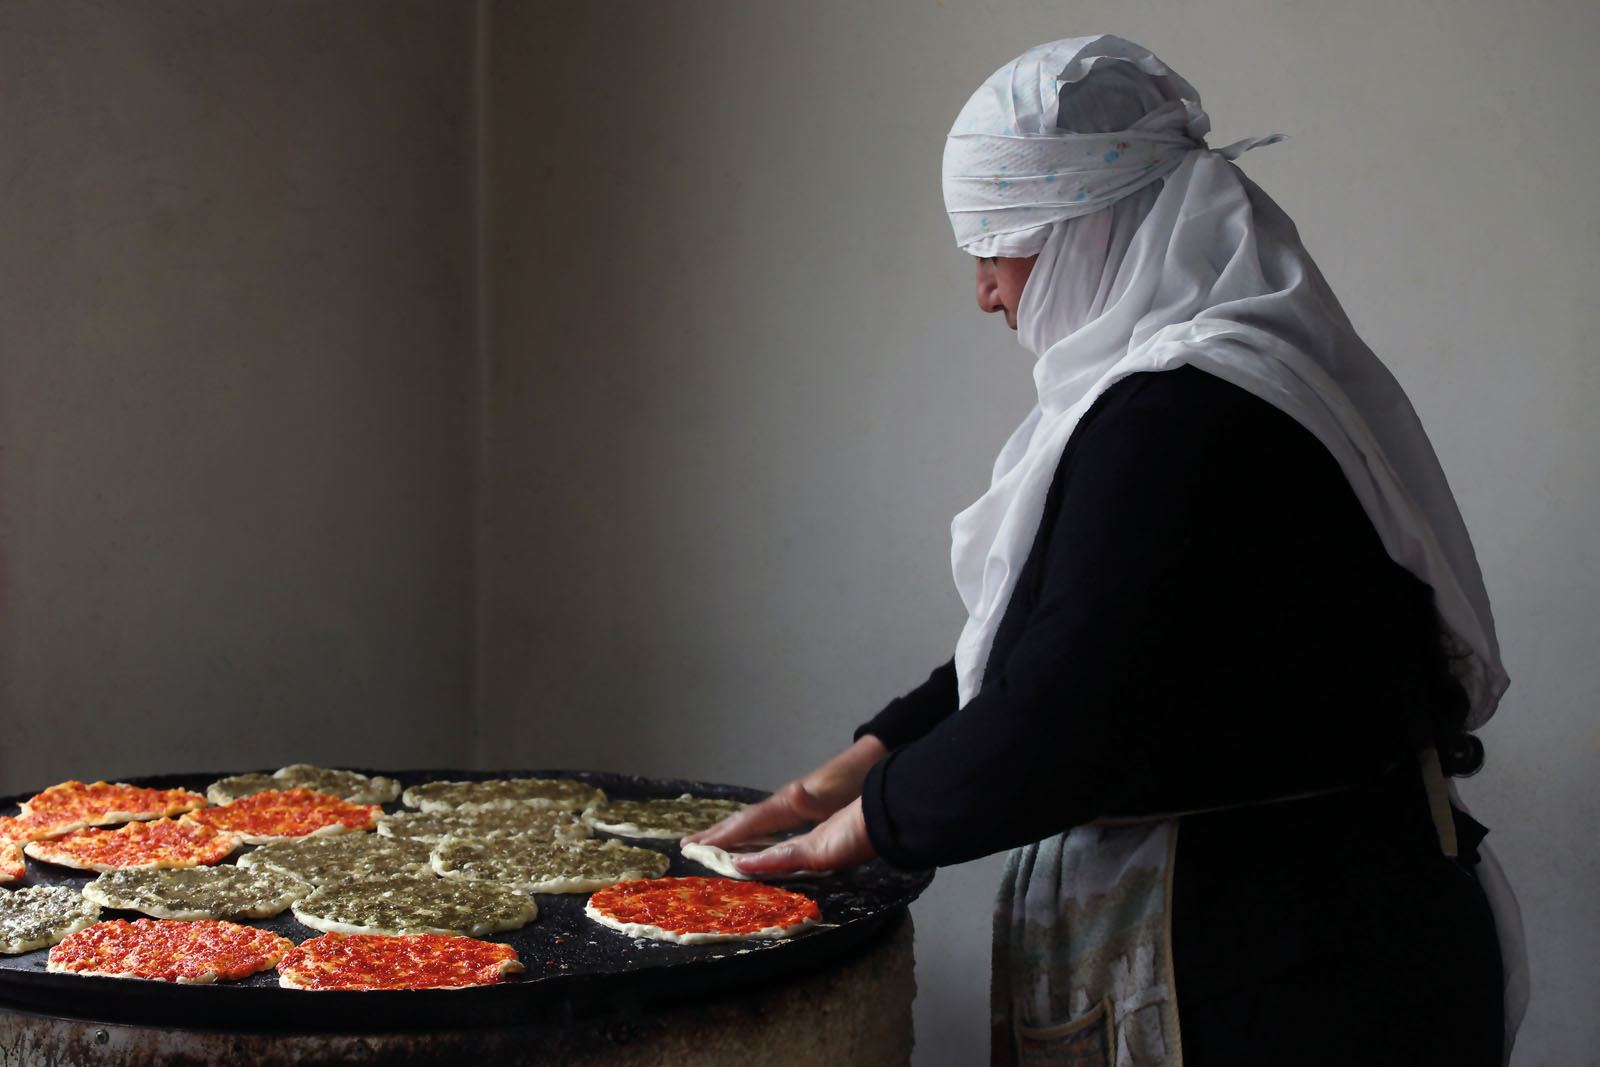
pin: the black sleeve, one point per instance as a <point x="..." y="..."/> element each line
<point x="1204" y="599"/>
<point x="908" y="717"/>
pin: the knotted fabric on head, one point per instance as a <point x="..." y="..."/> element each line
<point x="1155" y="252"/>
<point x="1042" y="141"/>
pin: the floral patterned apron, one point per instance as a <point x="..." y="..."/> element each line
<point x="1082" y="943"/>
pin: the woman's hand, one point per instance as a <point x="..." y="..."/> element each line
<point x="840" y="842"/>
<point x="812" y="798"/>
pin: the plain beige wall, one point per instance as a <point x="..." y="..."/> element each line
<point x="734" y="386"/>
<point x="238" y="386"/>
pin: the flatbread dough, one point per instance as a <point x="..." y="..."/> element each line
<point x="12" y="865"/>
<point x="199" y="892"/>
<point x="580" y="867"/>
<point x="42" y="915"/>
<point x="154" y="843"/>
<point x="416" y="906"/>
<point x="562" y="794"/>
<point x="413" y="961"/>
<point x="326" y="860"/>
<point x="165" y="950"/>
<point x="538" y="824"/>
<point x="346" y="785"/>
<point x="697" y="911"/>
<point x="238" y="786"/>
<point x="287" y="814"/>
<point x="660" y="818"/>
<point x="720" y="860"/>
<point x="73" y="805"/>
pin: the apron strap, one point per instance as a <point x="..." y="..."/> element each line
<point x="1439" y="801"/>
<point x="1433" y="781"/>
<point x="1118" y="821"/>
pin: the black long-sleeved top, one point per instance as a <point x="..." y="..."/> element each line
<point x="1208" y="619"/>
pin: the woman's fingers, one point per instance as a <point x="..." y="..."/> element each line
<point x="841" y="841"/>
<point x="779" y="859"/>
<point x="770" y="815"/>
<point x="813" y="798"/>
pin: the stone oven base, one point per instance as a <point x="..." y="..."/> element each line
<point x="857" y="1012"/>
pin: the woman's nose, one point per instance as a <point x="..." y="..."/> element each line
<point x="988" y="288"/>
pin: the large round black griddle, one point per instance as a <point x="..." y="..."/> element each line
<point x="575" y="967"/>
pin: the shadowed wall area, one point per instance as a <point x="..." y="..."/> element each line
<point x="237" y="403"/>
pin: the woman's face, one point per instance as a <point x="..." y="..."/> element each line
<point x="1000" y="282"/>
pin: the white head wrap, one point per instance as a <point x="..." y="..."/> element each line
<point x="1156" y="252"/>
<point x="1012" y="167"/>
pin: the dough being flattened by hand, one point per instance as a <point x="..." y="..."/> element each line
<point x="720" y="860"/>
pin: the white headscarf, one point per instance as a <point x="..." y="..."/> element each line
<point x="1204" y="270"/>
<point x="1156" y="252"/>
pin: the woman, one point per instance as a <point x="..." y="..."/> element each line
<point x="1226" y="633"/>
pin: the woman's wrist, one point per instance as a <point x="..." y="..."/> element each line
<point x="837" y="782"/>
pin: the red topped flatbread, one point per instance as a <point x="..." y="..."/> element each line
<point x="158" y="843"/>
<point x="12" y="865"/>
<point x="277" y="815"/>
<point x="168" y="950"/>
<point x="413" y="961"/>
<point x="74" y="805"/>
<point x="693" y="911"/>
